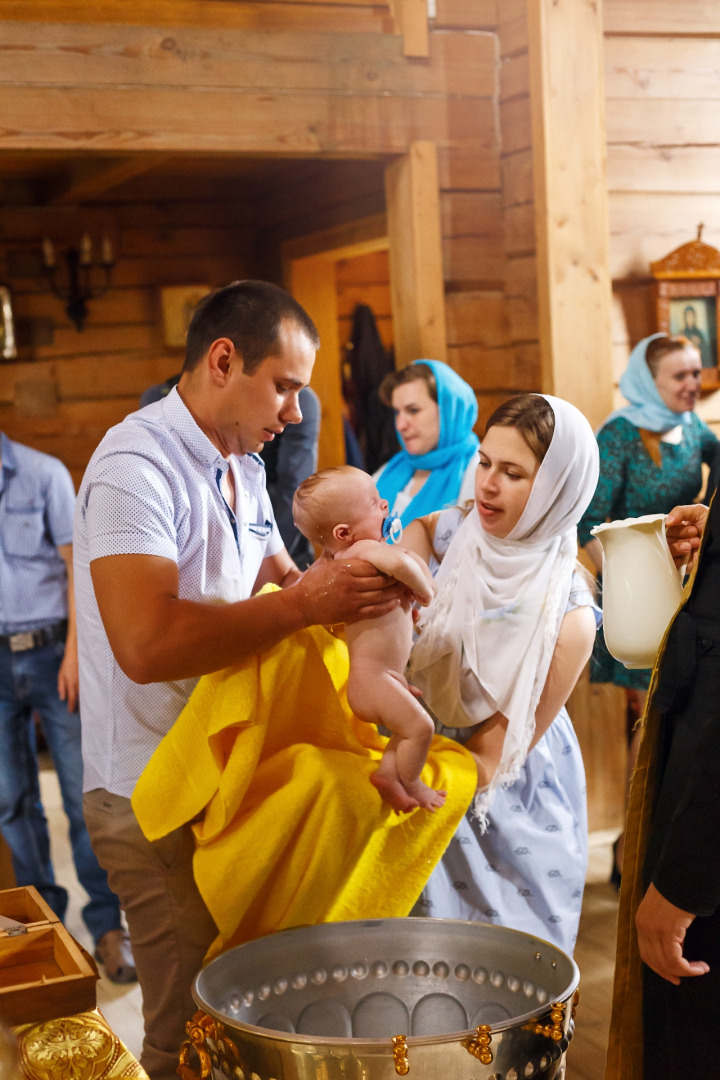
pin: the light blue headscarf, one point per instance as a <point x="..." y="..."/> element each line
<point x="646" y="409"/>
<point x="450" y="458"/>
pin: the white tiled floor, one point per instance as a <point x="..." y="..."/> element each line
<point x="120" y="1005"/>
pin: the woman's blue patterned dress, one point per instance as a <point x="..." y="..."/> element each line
<point x="528" y="870"/>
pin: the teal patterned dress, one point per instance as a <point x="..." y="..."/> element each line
<point x="630" y="485"/>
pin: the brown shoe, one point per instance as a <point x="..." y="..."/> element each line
<point x="114" y="952"/>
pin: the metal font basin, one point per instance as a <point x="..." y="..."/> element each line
<point x="433" y="999"/>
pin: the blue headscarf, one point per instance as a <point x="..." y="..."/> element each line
<point x="447" y="463"/>
<point x="646" y="409"/>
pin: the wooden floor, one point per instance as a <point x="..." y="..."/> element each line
<point x="594" y="955"/>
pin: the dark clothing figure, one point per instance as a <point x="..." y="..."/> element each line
<point x="370" y="362"/>
<point x="158" y="391"/>
<point x="289" y="459"/>
<point x="674" y="841"/>
<point x="683" y="854"/>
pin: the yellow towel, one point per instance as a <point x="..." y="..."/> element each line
<point x="293" y="832"/>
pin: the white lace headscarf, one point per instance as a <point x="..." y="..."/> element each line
<point x="487" y="640"/>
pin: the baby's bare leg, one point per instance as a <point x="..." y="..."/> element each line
<point x="382" y="697"/>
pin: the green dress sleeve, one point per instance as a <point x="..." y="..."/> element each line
<point x="615" y="443"/>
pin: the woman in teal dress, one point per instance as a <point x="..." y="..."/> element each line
<point x="651" y="456"/>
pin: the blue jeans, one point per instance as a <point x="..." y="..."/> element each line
<point x="28" y="683"/>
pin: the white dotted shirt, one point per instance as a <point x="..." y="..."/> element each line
<point x="153" y="488"/>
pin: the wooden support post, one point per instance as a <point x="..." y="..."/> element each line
<point x="571" y="218"/>
<point x="411" y="20"/>
<point x="416" y="272"/>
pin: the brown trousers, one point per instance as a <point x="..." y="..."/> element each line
<point x="170" y="927"/>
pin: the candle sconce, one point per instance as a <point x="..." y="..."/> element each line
<point x="79" y="286"/>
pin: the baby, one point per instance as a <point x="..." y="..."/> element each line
<point x="340" y="510"/>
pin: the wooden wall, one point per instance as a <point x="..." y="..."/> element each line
<point x="662" y="78"/>
<point x="287" y="81"/>
<point x="62" y="395"/>
<point x="474" y="228"/>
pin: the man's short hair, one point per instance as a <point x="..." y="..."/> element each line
<point x="251" y="314"/>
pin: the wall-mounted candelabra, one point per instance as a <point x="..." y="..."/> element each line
<point x="81" y="273"/>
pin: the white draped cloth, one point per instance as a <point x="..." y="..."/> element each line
<point x="487" y="640"/>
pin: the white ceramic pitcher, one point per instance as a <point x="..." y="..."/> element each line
<point x="641" y="588"/>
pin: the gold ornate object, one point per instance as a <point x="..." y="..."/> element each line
<point x="555" y="1030"/>
<point x="693" y="260"/>
<point x="687" y="301"/>
<point x="575" y="1002"/>
<point x="80" y="1047"/>
<point x="196" y="1030"/>
<point x="400" y="1055"/>
<point x="213" y="1047"/>
<point x="479" y="1044"/>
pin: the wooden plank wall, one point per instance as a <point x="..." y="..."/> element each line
<point x="330" y="81"/>
<point x="62" y="396"/>
<point x="474" y="227"/>
<point x="662" y="79"/>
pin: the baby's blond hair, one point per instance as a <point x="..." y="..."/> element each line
<point x="324" y="500"/>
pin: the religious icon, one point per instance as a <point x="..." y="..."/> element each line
<point x="686" y="301"/>
<point x="694" y="317"/>
<point x="178" y="306"/>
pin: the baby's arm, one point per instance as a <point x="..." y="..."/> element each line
<point x="406" y="566"/>
<point x="419" y="536"/>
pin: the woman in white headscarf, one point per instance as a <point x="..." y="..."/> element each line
<point x="499" y="652"/>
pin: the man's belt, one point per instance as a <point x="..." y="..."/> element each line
<point x="34" y="639"/>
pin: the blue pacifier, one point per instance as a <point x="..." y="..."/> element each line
<point x="392" y="529"/>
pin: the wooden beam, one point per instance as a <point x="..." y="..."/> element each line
<point x="283" y="124"/>
<point x="96" y="178"/>
<point x="466" y="14"/>
<point x="700" y="17"/>
<point x="571" y="214"/>
<point x="411" y="20"/>
<point x="342" y="242"/>
<point x="416" y="269"/>
<point x="53" y="55"/>
<point x="362" y="15"/>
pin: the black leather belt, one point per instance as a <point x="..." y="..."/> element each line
<point x="34" y="639"/>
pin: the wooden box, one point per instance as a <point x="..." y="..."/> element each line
<point x="44" y="973"/>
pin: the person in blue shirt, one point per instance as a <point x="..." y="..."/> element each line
<point x="39" y="673"/>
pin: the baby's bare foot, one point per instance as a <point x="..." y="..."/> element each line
<point x="393" y="793"/>
<point x="426" y="796"/>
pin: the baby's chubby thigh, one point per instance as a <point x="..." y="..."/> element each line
<point x="380" y="695"/>
<point x="372" y="685"/>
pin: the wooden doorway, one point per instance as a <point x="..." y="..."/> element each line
<point x="410" y="231"/>
<point x="310" y="270"/>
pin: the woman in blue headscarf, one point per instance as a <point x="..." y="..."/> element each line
<point x="434" y="415"/>
<point x="651" y="453"/>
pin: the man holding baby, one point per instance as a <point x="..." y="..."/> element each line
<point x="174" y="536"/>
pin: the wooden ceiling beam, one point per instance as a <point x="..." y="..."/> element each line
<point x="95" y="178"/>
